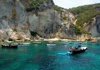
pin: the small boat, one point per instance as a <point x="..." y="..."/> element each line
<point x="51" y="44"/>
<point x="24" y="44"/>
<point x="9" y="46"/>
<point x="77" y="50"/>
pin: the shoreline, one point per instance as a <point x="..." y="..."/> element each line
<point x="49" y="40"/>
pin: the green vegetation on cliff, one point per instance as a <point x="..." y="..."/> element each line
<point x="57" y="8"/>
<point x="32" y="4"/>
<point x="85" y="13"/>
<point x="79" y="31"/>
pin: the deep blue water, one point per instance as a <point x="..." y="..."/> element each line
<point x="40" y="56"/>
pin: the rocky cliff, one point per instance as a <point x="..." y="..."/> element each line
<point x="13" y="20"/>
<point x="88" y="18"/>
<point x="93" y="26"/>
<point x="19" y="23"/>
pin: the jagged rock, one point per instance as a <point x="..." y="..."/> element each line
<point x="18" y="36"/>
<point x="16" y="23"/>
<point x="93" y="27"/>
<point x="46" y="5"/>
<point x="46" y="24"/>
<point x="13" y="18"/>
<point x="98" y="23"/>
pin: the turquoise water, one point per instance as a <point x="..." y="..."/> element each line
<point x="40" y="56"/>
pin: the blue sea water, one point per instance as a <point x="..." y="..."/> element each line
<point x="44" y="56"/>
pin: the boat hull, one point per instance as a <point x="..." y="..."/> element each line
<point x="75" y="51"/>
<point x="80" y="50"/>
<point x="6" y="46"/>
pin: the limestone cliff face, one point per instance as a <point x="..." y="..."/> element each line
<point x="13" y="20"/>
<point x="17" y="23"/>
<point x="48" y="24"/>
<point x="93" y="27"/>
<point x="67" y="30"/>
<point x="45" y="21"/>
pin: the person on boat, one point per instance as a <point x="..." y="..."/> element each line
<point x="79" y="46"/>
<point x="71" y="49"/>
<point x="9" y="44"/>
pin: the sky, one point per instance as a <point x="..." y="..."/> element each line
<point x="74" y="3"/>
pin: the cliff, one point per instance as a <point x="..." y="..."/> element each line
<point x="13" y="20"/>
<point x="29" y="20"/>
<point x="93" y="26"/>
<point x="46" y="22"/>
<point x="20" y="21"/>
<point x="88" y="18"/>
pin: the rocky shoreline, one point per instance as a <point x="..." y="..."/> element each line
<point x="55" y="39"/>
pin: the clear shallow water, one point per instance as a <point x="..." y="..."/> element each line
<point x="39" y="56"/>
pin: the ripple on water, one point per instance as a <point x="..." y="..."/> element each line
<point x="42" y="57"/>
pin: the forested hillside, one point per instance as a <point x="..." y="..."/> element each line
<point x="85" y="13"/>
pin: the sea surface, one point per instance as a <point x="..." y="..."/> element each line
<point x="44" y="56"/>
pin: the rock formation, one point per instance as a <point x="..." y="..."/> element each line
<point x="93" y="26"/>
<point x="13" y="20"/>
<point x="16" y="22"/>
<point x="19" y="23"/>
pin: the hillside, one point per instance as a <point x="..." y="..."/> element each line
<point x="85" y="13"/>
<point x="88" y="18"/>
<point x="31" y="20"/>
